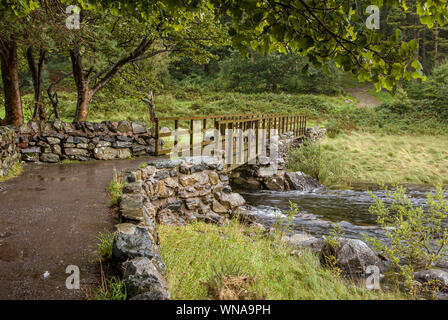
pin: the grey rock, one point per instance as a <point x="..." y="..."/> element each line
<point x="105" y="153"/>
<point x="76" y="152"/>
<point x="123" y="138"/>
<point x="301" y="241"/>
<point x="352" y="256"/>
<point x="124" y="126"/>
<point x="122" y="144"/>
<point x="52" y="140"/>
<point x="135" y="187"/>
<point x="301" y="181"/>
<point x="161" y="174"/>
<point x="165" y="163"/>
<point x="134" y="243"/>
<point x="49" y="157"/>
<point x="276" y="183"/>
<point x="31" y="150"/>
<point x="437" y="276"/>
<point x="231" y="200"/>
<point x="76" y="139"/>
<point x="138" y="127"/>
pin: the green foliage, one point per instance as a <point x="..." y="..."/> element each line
<point x="431" y="94"/>
<point x="333" y="30"/>
<point x="309" y="158"/>
<point x="15" y="170"/>
<point x="194" y="252"/>
<point x="334" y="240"/>
<point x="400" y="104"/>
<point x="227" y="282"/>
<point x="115" y="189"/>
<point x="111" y="289"/>
<point x="335" y="235"/>
<point x="366" y="157"/>
<point x="104" y="246"/>
<point x="416" y="236"/>
<point x="285" y="220"/>
<point x="276" y="72"/>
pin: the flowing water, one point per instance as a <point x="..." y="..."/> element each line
<point x="322" y="208"/>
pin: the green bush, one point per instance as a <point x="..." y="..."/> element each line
<point x="432" y="93"/>
<point x="276" y="72"/>
<point x="307" y="158"/>
<point x="400" y="104"/>
<point x="415" y="235"/>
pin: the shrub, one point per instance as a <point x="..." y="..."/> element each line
<point x="112" y="289"/>
<point x="309" y="158"/>
<point x="416" y="237"/>
<point x="400" y="104"/>
<point x="433" y="92"/>
<point x="104" y="247"/>
<point x="115" y="189"/>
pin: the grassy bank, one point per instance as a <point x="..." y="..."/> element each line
<point x="379" y="158"/>
<point x="364" y="157"/>
<point x="208" y="262"/>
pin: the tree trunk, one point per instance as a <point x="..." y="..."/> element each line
<point x="151" y="105"/>
<point x="36" y="74"/>
<point x="82" y="86"/>
<point x="10" y="77"/>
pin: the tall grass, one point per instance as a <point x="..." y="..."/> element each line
<point x="115" y="189"/>
<point x="390" y="159"/>
<point x="309" y="158"/>
<point x="194" y="252"/>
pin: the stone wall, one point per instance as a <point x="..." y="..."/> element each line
<point x="56" y="141"/>
<point x="172" y="192"/>
<point x="8" y="151"/>
<point x="266" y="174"/>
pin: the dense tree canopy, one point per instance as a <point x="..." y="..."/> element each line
<point x="114" y="34"/>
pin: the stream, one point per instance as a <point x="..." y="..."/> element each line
<point x="322" y="208"/>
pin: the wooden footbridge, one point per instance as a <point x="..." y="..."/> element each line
<point x="239" y="138"/>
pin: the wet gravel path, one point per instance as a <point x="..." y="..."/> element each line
<point x="50" y="217"/>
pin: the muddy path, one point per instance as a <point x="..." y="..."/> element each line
<point x="363" y="97"/>
<point x="50" y="217"/>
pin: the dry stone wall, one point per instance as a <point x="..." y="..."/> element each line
<point x="271" y="174"/>
<point x="56" y="141"/>
<point x="172" y="192"/>
<point x="9" y="154"/>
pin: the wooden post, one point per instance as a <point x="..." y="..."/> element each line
<point x="176" y="138"/>
<point x="204" y="133"/>
<point x="157" y="129"/>
<point x="191" y="137"/>
<point x="256" y="137"/>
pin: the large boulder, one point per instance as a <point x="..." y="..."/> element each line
<point x="301" y="181"/>
<point x="435" y="277"/>
<point x="351" y="256"/>
<point x="275" y="183"/>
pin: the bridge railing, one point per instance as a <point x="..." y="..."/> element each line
<point x="197" y="129"/>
